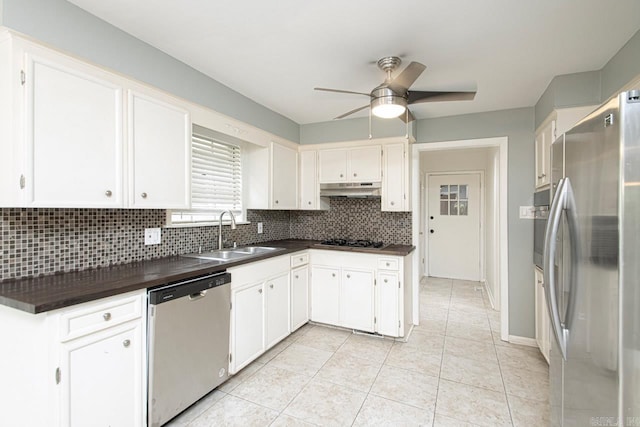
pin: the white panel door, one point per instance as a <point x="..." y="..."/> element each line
<point x="160" y="154"/>
<point x="332" y="165"/>
<point x="365" y="164"/>
<point x="453" y="225"/>
<point x="299" y="297"/>
<point x="278" y="323"/>
<point x="387" y="311"/>
<point x="73" y="135"/>
<point x="325" y="294"/>
<point x="101" y="378"/>
<point x="357" y="299"/>
<point x="284" y="173"/>
<point x="247" y="325"/>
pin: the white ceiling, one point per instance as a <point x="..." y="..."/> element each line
<point x="276" y="52"/>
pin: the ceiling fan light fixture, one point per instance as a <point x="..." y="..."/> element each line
<point x="388" y="107"/>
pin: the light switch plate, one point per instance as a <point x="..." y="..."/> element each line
<point x="259" y="228"/>
<point x="152" y="236"/>
<point x="527" y="212"/>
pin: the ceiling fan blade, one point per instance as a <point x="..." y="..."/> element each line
<point x="348" y="113"/>
<point x="340" y="91"/>
<point x="417" y="97"/>
<point x="405" y="79"/>
<point x="403" y="117"/>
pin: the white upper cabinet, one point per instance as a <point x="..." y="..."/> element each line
<point x="395" y="178"/>
<point x="309" y="186"/>
<point x="362" y="164"/>
<point x="73" y="134"/>
<point x="284" y="176"/>
<point x="80" y="136"/>
<point x="159" y="153"/>
<point x="544" y="138"/>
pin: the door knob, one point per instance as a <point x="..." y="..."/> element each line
<point x="431" y="231"/>
<point x="430" y="217"/>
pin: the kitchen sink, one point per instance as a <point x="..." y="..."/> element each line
<point x="228" y="255"/>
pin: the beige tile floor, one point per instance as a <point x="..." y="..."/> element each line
<point x="453" y="371"/>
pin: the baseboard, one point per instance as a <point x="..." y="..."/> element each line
<point x="529" y="342"/>
<point x="487" y="288"/>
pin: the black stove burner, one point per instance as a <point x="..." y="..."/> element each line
<point x="353" y="243"/>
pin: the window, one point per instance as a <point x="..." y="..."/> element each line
<point x="216" y="179"/>
<point x="454" y="200"/>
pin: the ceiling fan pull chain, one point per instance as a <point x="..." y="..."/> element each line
<point x="406" y="112"/>
<point x="370" y="136"/>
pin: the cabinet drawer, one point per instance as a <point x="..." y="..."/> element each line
<point x="92" y="317"/>
<point x="388" y="264"/>
<point x="299" y="259"/>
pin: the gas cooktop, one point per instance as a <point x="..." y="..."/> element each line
<point x="353" y="243"/>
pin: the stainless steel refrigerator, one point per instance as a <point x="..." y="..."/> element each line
<point x="592" y="268"/>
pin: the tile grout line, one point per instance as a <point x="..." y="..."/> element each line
<point x="444" y="343"/>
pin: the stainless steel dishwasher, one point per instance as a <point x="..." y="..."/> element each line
<point x="188" y="333"/>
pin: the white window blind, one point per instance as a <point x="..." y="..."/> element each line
<point x="216" y="181"/>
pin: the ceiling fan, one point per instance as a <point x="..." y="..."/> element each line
<point x="392" y="97"/>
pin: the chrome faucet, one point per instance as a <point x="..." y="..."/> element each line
<point x="233" y="227"/>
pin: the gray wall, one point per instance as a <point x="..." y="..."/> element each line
<point x="622" y="68"/>
<point x="518" y="126"/>
<point x="353" y="129"/>
<point x="69" y="28"/>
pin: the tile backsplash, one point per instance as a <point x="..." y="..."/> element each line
<point x="37" y="242"/>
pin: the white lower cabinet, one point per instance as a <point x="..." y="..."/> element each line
<point x="356" y="299"/>
<point x="260" y="309"/>
<point x="542" y="320"/>
<point x="388" y="299"/>
<point x="325" y="294"/>
<point x="299" y="297"/>
<point x="101" y="378"/>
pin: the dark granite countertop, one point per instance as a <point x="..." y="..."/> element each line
<point x="46" y="293"/>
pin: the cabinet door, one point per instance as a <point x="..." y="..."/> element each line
<point x="278" y="322"/>
<point x="309" y="189"/>
<point x="73" y="135"/>
<point x="544" y="139"/>
<point x="299" y="297"/>
<point x="247" y="326"/>
<point x="332" y="165"/>
<point x="365" y="164"/>
<point x="394" y="192"/>
<point x="160" y="154"/>
<point x="387" y="310"/>
<point x="101" y="378"/>
<point x="284" y="177"/>
<point x="542" y="321"/>
<point x="325" y="294"/>
<point x="356" y="300"/>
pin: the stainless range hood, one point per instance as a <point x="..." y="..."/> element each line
<point x="354" y="190"/>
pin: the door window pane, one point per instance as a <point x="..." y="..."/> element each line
<point x="463" y="192"/>
<point x="453" y="208"/>
<point x="462" y="207"/>
<point x="444" y="208"/>
<point x="453" y="192"/>
<point x="444" y="192"/>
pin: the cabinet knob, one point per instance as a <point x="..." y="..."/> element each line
<point x="271" y="285"/>
<point x="301" y="259"/>
<point x="296" y="276"/>
<point x="276" y="202"/>
<point x="108" y="193"/>
<point x="348" y="276"/>
<point x="144" y="195"/>
<point x="260" y="290"/>
<point x="309" y="202"/>
<point x="393" y="203"/>
<point x="126" y="343"/>
<point x="385" y="280"/>
<point x="355" y="174"/>
<point x="106" y="316"/>
<point x="387" y="264"/>
<point x="333" y="274"/>
<point x="341" y="175"/>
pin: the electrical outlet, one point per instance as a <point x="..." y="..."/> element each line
<point x="152" y="236"/>
<point x="527" y="212"/>
<point x="259" y="228"/>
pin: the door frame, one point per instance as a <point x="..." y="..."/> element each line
<point x="502" y="242"/>
<point x="481" y="229"/>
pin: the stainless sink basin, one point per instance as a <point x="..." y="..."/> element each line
<point x="228" y="255"/>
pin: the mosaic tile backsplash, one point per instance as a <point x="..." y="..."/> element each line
<point x="37" y="242"/>
<point x="352" y="219"/>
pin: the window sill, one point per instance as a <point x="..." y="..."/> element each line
<point x="203" y="224"/>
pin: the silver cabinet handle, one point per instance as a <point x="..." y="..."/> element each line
<point x="271" y="285"/>
<point x="108" y="193"/>
<point x="260" y="290"/>
<point x="126" y="343"/>
<point x="106" y="317"/>
<point x="144" y="195"/>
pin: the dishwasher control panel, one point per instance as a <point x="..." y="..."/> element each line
<point x="192" y="287"/>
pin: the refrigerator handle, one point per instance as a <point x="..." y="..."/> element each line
<point x="563" y="200"/>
